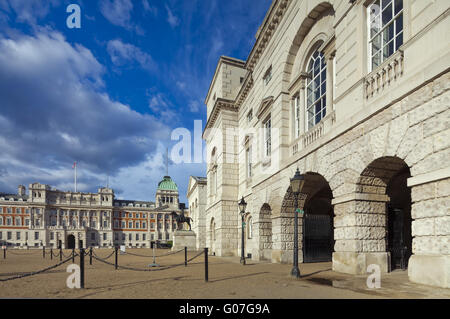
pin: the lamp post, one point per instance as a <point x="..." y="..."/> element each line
<point x="297" y="183"/>
<point x="242" y="205"/>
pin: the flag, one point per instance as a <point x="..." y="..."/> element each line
<point x="74" y="164"/>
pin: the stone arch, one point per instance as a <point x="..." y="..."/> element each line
<point x="364" y="222"/>
<point x="321" y="9"/>
<point x="263" y="231"/>
<point x="212" y="236"/>
<point x="283" y="225"/>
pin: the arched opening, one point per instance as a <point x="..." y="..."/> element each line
<point x="399" y="241"/>
<point x="263" y="227"/>
<point x="213" y="236"/>
<point x="71" y="242"/>
<point x="388" y="176"/>
<point x="318" y="234"/>
<point x="315" y="231"/>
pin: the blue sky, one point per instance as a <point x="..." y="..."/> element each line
<point x="109" y="94"/>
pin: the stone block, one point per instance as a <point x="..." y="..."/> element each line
<point x="431" y="208"/>
<point x="442" y="225"/>
<point x="423" y="227"/>
<point x="430" y="270"/>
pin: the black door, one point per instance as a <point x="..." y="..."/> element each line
<point x="317" y="238"/>
<point x="71" y="242"/>
<point x="397" y="239"/>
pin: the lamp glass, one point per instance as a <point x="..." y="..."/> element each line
<point x="242" y="205"/>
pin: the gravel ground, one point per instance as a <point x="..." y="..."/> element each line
<point x="227" y="278"/>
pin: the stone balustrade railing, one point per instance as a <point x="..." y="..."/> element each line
<point x="389" y="71"/>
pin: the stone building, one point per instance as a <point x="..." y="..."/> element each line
<point x="196" y="196"/>
<point x="356" y="95"/>
<point x="52" y="218"/>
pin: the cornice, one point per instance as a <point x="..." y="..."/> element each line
<point x="219" y="105"/>
<point x="272" y="21"/>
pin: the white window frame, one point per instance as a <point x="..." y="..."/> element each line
<point x="297" y="111"/>
<point x="310" y="86"/>
<point x="378" y="20"/>
<point x="267" y="76"/>
<point x="267" y="125"/>
<point x="248" y="155"/>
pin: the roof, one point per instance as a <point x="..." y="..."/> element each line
<point x="167" y="184"/>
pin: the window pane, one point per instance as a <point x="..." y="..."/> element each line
<point x="376" y="60"/>
<point x="398" y="6"/>
<point x="376" y="44"/>
<point x="385" y="3"/>
<point x="399" y="41"/>
<point x="386" y="14"/>
<point x="399" y="24"/>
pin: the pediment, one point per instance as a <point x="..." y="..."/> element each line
<point x="265" y="104"/>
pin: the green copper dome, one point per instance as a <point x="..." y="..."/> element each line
<point x="167" y="184"/>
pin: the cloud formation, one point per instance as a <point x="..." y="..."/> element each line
<point x="122" y="53"/>
<point x="54" y="111"/>
<point x="171" y="18"/>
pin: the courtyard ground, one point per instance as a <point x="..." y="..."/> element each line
<point x="228" y="279"/>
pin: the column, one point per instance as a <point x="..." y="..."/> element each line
<point x="58" y="218"/>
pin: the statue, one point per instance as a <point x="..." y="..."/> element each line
<point x="180" y="219"/>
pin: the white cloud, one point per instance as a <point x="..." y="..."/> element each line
<point x="122" y="53"/>
<point x="29" y="11"/>
<point x="118" y="12"/>
<point x="54" y="111"/>
<point x="171" y="18"/>
<point x="149" y="8"/>
<point x="194" y="106"/>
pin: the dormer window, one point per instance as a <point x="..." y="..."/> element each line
<point x="268" y="76"/>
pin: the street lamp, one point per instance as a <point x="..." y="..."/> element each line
<point x="297" y="183"/>
<point x="242" y="205"/>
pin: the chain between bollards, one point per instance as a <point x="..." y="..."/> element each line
<point x="206" y="264"/>
<point x="82" y="268"/>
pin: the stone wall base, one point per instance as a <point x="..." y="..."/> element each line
<point x="285" y="256"/>
<point x="184" y="238"/>
<point x="430" y="270"/>
<point x="357" y="263"/>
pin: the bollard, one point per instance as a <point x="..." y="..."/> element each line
<point x="90" y="256"/>
<point x="82" y="268"/>
<point x="73" y="255"/>
<point x="116" y="262"/>
<point x="206" y="264"/>
<point x="43" y="252"/>
<point x="185" y="256"/>
<point x="60" y="253"/>
<point x="4" y="253"/>
<point x="51" y="253"/>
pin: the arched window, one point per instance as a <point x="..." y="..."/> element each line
<point x="213" y="173"/>
<point x="316" y="90"/>
<point x="250" y="228"/>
